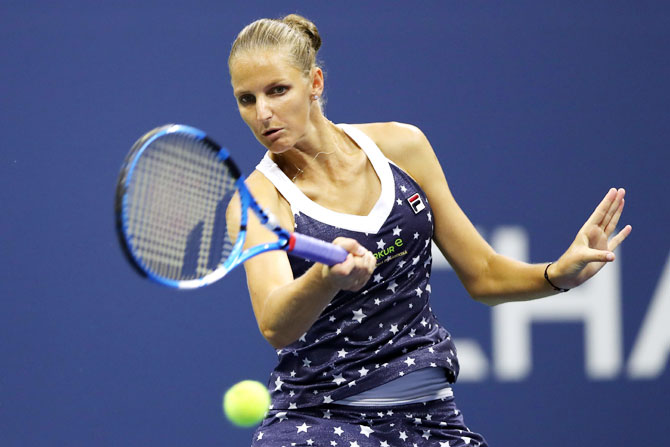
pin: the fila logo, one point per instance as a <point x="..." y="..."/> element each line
<point x="416" y="203"/>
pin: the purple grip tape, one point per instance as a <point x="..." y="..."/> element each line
<point x="316" y="250"/>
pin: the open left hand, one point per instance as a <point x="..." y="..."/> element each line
<point x="593" y="247"/>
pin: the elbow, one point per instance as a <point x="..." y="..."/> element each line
<point x="487" y="299"/>
<point x="480" y="292"/>
<point x="276" y="339"/>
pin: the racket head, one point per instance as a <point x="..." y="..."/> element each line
<point x="172" y="195"/>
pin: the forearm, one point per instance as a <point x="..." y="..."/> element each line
<point x="290" y="310"/>
<point x="506" y="280"/>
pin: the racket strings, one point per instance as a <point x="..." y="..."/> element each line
<point x="176" y="206"/>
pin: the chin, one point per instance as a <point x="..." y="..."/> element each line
<point x="278" y="148"/>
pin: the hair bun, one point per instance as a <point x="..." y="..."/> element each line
<point x="306" y="27"/>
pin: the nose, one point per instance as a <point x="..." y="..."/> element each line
<point x="263" y="110"/>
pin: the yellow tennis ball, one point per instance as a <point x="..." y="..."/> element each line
<point x="246" y="403"/>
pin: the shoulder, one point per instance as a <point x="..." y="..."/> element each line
<point x="403" y="144"/>
<point x="393" y="138"/>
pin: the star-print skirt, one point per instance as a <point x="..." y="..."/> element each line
<point x="436" y="423"/>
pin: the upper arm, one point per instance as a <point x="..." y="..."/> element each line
<point x="467" y="252"/>
<point x="269" y="270"/>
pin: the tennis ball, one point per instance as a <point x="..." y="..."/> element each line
<point x="246" y="403"/>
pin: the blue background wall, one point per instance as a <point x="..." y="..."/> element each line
<point x="534" y="108"/>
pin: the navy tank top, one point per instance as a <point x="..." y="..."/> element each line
<point x="386" y="330"/>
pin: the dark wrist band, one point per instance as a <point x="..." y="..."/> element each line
<point x="546" y="276"/>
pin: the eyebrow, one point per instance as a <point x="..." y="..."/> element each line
<point x="272" y="83"/>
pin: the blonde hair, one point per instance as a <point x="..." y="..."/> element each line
<point x="294" y="32"/>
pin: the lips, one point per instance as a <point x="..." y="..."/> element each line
<point x="272" y="134"/>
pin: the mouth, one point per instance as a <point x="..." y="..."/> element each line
<point x="271" y="132"/>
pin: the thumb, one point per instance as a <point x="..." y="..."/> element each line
<point x="592" y="255"/>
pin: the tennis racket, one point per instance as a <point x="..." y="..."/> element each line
<point x="174" y="190"/>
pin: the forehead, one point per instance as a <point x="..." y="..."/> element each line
<point x="254" y="69"/>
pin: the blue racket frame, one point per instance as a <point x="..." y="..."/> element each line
<point x="300" y="245"/>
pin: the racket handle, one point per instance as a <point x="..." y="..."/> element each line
<point x="316" y="250"/>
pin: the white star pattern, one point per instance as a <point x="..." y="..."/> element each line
<point x="444" y="444"/>
<point x="303" y="428"/>
<point x="402" y="188"/>
<point x="366" y="431"/>
<point x="426" y="434"/>
<point x="402" y="255"/>
<point x="260" y="436"/>
<point x="338" y="431"/>
<point x="403" y="435"/>
<point x="310" y="442"/>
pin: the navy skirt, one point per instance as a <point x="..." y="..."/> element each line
<point x="436" y="423"/>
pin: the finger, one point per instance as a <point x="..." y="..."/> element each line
<point x="611" y="226"/>
<point x="613" y="209"/>
<point x="351" y="245"/>
<point x="601" y="210"/>
<point x="619" y="238"/>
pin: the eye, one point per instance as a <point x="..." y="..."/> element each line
<point x="279" y="89"/>
<point x="246" y="99"/>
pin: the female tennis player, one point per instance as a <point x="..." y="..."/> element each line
<point x="362" y="360"/>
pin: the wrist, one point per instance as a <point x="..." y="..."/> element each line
<point x="553" y="283"/>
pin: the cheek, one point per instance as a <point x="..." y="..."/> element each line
<point x="298" y="110"/>
<point x="246" y="116"/>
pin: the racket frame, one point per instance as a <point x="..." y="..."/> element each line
<point x="237" y="256"/>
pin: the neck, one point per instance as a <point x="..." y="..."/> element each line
<point x="322" y="154"/>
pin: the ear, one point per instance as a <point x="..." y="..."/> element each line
<point x="317" y="81"/>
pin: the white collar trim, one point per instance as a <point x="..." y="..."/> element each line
<point x="372" y="222"/>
